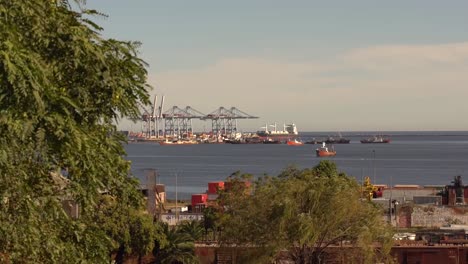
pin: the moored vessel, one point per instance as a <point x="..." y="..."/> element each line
<point x="375" y="139"/>
<point x="341" y="140"/>
<point x="251" y="140"/>
<point x="294" y="142"/>
<point x="271" y="141"/>
<point x="147" y="140"/>
<point x="336" y="140"/>
<point x="289" y="131"/>
<point x="177" y="142"/>
<point x="324" y="151"/>
<point x="312" y="141"/>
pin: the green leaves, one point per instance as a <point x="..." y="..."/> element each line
<point x="61" y="87"/>
<point x="302" y="211"/>
<point x="179" y="246"/>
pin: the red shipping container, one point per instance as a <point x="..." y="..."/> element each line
<point x="213" y="187"/>
<point x="199" y="198"/>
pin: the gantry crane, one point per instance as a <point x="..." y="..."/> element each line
<point x="224" y="121"/>
<point x="178" y="121"/>
<point x="152" y="119"/>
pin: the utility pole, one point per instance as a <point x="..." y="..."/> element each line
<point x="362" y="181"/>
<point x="390" y="201"/>
<point x="177" y="210"/>
<point x="373" y="151"/>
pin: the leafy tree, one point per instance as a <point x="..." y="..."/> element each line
<point x="132" y="231"/>
<point x="193" y="228"/>
<point x="303" y="212"/>
<point x="210" y="221"/>
<point x="62" y="87"/>
<point x="179" y="248"/>
<point x="142" y="235"/>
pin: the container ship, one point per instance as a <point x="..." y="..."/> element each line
<point x="289" y="131"/>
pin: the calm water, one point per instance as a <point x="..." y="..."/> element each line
<point x="423" y="158"/>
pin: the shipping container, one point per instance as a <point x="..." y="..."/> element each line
<point x="213" y="187"/>
<point x="199" y="199"/>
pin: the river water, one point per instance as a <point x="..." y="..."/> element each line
<point x="423" y="158"/>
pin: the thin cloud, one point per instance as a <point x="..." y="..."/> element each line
<point x="454" y="53"/>
<point x="389" y="87"/>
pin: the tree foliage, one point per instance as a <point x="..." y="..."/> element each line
<point x="62" y="87"/>
<point x="210" y="222"/>
<point x="132" y="230"/>
<point x="179" y="247"/>
<point x="303" y="212"/>
<point x="193" y="228"/>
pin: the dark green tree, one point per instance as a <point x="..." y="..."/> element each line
<point x="62" y="88"/>
<point x="210" y="221"/>
<point x="132" y="231"/>
<point x="193" y="228"/>
<point x="304" y="212"/>
<point x="142" y="235"/>
<point x="178" y="249"/>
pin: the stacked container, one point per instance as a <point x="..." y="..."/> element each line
<point x="199" y="202"/>
<point x="213" y="188"/>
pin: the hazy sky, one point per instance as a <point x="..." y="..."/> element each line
<point x="334" y="66"/>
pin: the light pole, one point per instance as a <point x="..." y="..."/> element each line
<point x="362" y="181"/>
<point x="373" y="151"/>
<point x="390" y="209"/>
<point x="395" y="206"/>
<point x="176" y="198"/>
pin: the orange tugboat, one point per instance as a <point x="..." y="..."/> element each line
<point x="294" y="142"/>
<point x="324" y="151"/>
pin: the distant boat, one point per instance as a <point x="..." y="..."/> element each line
<point x="312" y="141"/>
<point x="329" y="140"/>
<point x="324" y="151"/>
<point x="147" y="139"/>
<point x="341" y="140"/>
<point x="375" y="139"/>
<point x="177" y="142"/>
<point x="289" y="131"/>
<point x="271" y="141"/>
<point x="336" y="140"/>
<point x="255" y="140"/>
<point x="294" y="142"/>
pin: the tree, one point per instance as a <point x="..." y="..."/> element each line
<point x="62" y="88"/>
<point x="179" y="247"/>
<point x="142" y="235"/>
<point x="193" y="228"/>
<point x="132" y="230"/>
<point x="210" y="221"/>
<point x="302" y="213"/>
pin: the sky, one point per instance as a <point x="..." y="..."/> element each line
<point x="360" y="65"/>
